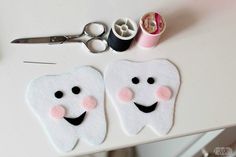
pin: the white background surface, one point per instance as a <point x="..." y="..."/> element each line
<point x="199" y="39"/>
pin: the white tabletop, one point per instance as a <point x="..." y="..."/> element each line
<point x="199" y="39"/>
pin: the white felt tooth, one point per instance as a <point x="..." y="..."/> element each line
<point x="64" y="135"/>
<point x="145" y="108"/>
<point x="165" y="115"/>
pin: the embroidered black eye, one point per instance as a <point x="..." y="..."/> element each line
<point x="135" y="80"/>
<point x="58" y="94"/>
<point x="75" y="90"/>
<point x="151" y="80"/>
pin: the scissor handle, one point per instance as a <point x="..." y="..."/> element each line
<point x="98" y="25"/>
<point x="92" y="47"/>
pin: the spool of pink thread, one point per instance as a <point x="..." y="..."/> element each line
<point x="151" y="27"/>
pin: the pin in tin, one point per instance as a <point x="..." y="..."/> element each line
<point x="151" y="27"/>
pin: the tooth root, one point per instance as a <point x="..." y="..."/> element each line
<point x="160" y="129"/>
<point x="132" y="127"/>
<point x="162" y="123"/>
<point x="62" y="138"/>
<point x="95" y="132"/>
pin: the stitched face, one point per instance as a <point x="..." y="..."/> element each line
<point x="70" y="106"/>
<point x="143" y="93"/>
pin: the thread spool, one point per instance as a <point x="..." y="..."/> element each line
<point x="151" y="27"/>
<point x="122" y="34"/>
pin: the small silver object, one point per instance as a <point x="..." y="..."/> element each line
<point x="36" y="62"/>
<point x="94" y="37"/>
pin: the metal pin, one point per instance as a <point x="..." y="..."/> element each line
<point x="35" y="62"/>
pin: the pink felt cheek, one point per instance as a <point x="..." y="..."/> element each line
<point x="126" y="94"/>
<point x="89" y="103"/>
<point x="164" y="93"/>
<point x="58" y="112"/>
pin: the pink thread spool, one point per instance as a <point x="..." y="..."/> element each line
<point x="151" y="27"/>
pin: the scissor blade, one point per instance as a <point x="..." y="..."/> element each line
<point x="32" y="40"/>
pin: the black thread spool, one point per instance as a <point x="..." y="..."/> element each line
<point x="122" y="34"/>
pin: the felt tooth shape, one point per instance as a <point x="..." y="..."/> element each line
<point x="143" y="93"/>
<point x="70" y="107"/>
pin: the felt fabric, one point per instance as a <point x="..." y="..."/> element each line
<point x="143" y="93"/>
<point x="70" y="107"/>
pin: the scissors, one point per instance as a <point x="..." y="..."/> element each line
<point x="95" y="38"/>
